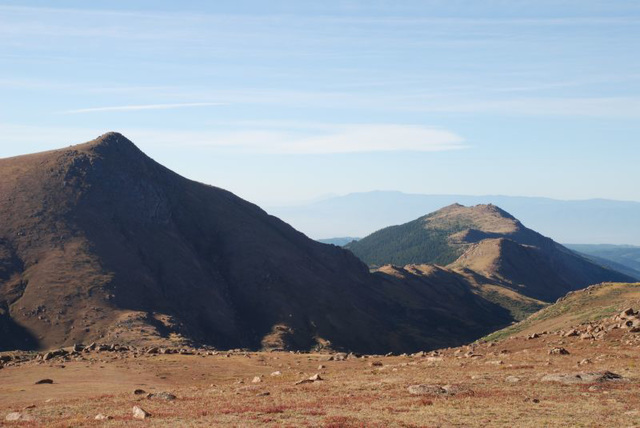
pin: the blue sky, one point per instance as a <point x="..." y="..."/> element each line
<point x="286" y="101"/>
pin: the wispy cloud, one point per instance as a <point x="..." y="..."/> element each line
<point x="303" y="139"/>
<point x="140" y="107"/>
<point x="354" y="138"/>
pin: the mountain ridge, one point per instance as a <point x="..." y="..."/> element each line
<point x="489" y="241"/>
<point x="98" y="242"/>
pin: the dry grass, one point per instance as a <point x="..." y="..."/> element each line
<point x="217" y="390"/>
<point x="587" y="305"/>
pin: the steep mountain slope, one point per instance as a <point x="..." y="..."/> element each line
<point x="99" y="242"/>
<point x="440" y="237"/>
<point x="490" y="242"/>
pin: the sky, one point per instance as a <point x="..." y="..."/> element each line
<point x="283" y="102"/>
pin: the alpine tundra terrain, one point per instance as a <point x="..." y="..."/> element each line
<point x="128" y="292"/>
<point x="574" y="363"/>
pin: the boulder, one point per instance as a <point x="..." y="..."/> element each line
<point x="590" y="377"/>
<point x="140" y="413"/>
<point x="558" y="351"/>
<point x="167" y="396"/>
<point x="19" y="417"/>
<point x="102" y="417"/>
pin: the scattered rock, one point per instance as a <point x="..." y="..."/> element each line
<point x="161" y="396"/>
<point x="558" y="351"/>
<point x="512" y="379"/>
<point x="19" y="417"/>
<point x="316" y="377"/>
<point x="629" y="312"/>
<point x="276" y="373"/>
<point x="140" y="413"/>
<point x="426" y="389"/>
<point x="44" y="382"/>
<point x="139" y="392"/>
<point x="256" y="379"/>
<point x="263" y="394"/>
<point x="456" y="389"/>
<point x="376" y="364"/>
<point x="102" y="417"/>
<point x="591" y="377"/>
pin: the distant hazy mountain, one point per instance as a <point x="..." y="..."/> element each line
<point x="338" y="241"/>
<point x="624" y="258"/>
<point x="359" y="214"/>
<point x="489" y="242"/>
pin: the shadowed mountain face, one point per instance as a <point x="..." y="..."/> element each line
<point x="99" y="242"/>
<point x="490" y="243"/>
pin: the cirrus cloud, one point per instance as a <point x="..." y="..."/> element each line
<point x="315" y="139"/>
<point x="280" y="138"/>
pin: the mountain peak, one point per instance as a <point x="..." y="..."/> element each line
<point x="111" y="137"/>
<point x="112" y="141"/>
<point x="493" y="209"/>
<point x="486" y="217"/>
<point x="114" y="146"/>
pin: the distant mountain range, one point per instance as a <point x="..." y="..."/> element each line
<point x="623" y="258"/>
<point x="594" y="221"/>
<point x="341" y="241"/>
<point x="485" y="241"/>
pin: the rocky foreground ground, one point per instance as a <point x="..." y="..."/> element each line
<point x="588" y="375"/>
